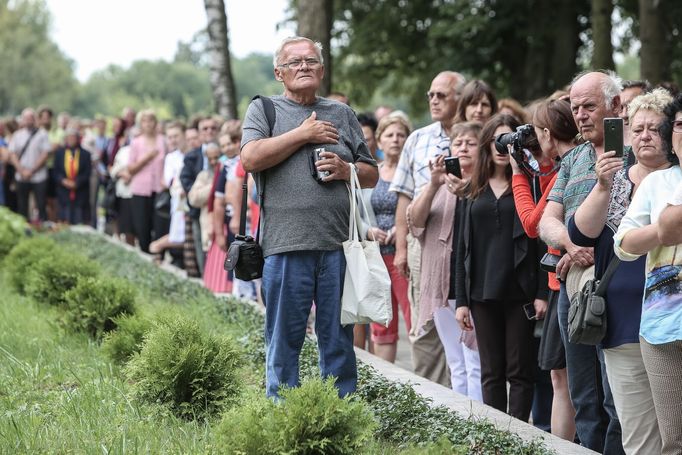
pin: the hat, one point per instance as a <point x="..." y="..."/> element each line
<point x="576" y="279"/>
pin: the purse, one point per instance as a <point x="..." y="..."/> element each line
<point x="245" y="256"/>
<point x="587" y="314"/>
<point x="162" y="204"/>
<point x="367" y="284"/>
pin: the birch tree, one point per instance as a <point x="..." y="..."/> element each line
<point x="220" y="68"/>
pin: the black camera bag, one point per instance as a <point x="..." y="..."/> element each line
<point x="245" y="255"/>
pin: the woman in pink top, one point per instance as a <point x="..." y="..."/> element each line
<point x="431" y="218"/>
<point x="145" y="166"/>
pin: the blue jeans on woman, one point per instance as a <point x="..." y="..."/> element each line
<point x="291" y="282"/>
<point x="596" y="421"/>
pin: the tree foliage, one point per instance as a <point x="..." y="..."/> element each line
<point x="33" y="70"/>
<point x="525" y="49"/>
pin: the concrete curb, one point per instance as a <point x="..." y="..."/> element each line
<point x="437" y="393"/>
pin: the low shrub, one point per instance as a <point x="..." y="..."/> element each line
<point x="94" y="303"/>
<point x="21" y="259"/>
<point x="407" y="419"/>
<point x="120" y="345"/>
<point x="55" y="273"/>
<point x="310" y="419"/>
<point x="13" y="228"/>
<point x="194" y="373"/>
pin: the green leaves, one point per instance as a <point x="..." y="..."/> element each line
<point x="93" y="305"/>
<point x="310" y="419"/>
<point x="194" y="373"/>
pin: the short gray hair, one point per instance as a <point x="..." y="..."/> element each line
<point x="296" y="39"/>
<point x="611" y="85"/>
<point x="654" y="101"/>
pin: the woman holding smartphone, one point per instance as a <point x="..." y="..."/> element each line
<point x="496" y="275"/>
<point x="430" y="218"/>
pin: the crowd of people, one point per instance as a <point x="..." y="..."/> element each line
<point x="463" y="246"/>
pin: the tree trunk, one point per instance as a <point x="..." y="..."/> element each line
<point x="219" y="57"/>
<point x="315" y="22"/>
<point x="653" y="61"/>
<point x="566" y="41"/>
<point x="602" y="55"/>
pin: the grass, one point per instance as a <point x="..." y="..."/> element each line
<point x="58" y="393"/>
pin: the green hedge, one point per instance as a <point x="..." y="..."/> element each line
<point x="55" y="273"/>
<point x="310" y="419"/>
<point x="21" y="259"/>
<point x="196" y="374"/>
<point x="93" y="305"/>
<point x="127" y="339"/>
<point x="13" y="229"/>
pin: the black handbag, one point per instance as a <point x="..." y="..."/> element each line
<point x="110" y="203"/>
<point x="245" y="255"/>
<point x="162" y="204"/>
<point x="587" y="313"/>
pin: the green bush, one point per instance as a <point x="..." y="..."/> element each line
<point x="13" y="228"/>
<point x="23" y="257"/>
<point x="310" y="419"/>
<point x="57" y="272"/>
<point x="94" y="303"/>
<point x="120" y="344"/>
<point x="194" y="373"/>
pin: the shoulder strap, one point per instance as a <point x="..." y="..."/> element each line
<point x="28" y="141"/>
<point x="269" y="108"/>
<point x="270" y="115"/>
<point x="604" y="281"/>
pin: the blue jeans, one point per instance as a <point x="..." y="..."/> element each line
<point x="596" y="421"/>
<point x="291" y="282"/>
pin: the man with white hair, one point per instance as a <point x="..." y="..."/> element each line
<point x="593" y="96"/>
<point x="30" y="148"/>
<point x="304" y="221"/>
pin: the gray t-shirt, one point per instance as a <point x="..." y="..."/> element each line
<point x="39" y="144"/>
<point x="299" y="213"/>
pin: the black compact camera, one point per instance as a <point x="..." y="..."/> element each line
<point x="314" y="157"/>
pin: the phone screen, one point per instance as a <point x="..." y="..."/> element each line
<point x="529" y="309"/>
<point x="613" y="135"/>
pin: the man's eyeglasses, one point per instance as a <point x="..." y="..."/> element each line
<point x="209" y="128"/>
<point x="312" y="63"/>
<point x="440" y="95"/>
<point x="677" y="126"/>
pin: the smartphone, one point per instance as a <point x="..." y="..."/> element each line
<point x="613" y="135"/>
<point x="549" y="262"/>
<point x="529" y="309"/>
<point x="452" y="166"/>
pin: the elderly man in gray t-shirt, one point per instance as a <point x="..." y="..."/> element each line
<point x="30" y="148"/>
<point x="304" y="222"/>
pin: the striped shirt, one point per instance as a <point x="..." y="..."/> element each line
<point x="575" y="180"/>
<point x="413" y="170"/>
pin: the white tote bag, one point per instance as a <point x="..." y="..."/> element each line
<point x="367" y="285"/>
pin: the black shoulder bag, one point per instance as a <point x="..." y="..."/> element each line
<point x="587" y="313"/>
<point x="245" y="255"/>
